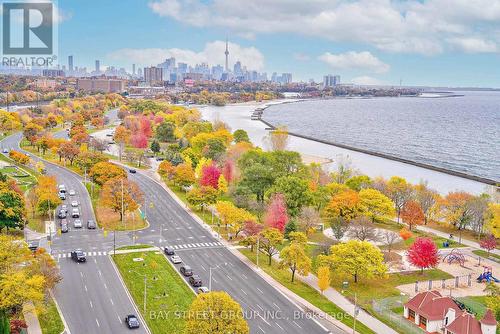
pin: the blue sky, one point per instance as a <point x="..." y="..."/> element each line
<point x="426" y="42"/>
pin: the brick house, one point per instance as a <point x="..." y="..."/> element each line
<point x="435" y="313"/>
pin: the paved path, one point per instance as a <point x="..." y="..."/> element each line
<point x="31" y="319"/>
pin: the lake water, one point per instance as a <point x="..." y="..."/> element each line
<point x="457" y="133"/>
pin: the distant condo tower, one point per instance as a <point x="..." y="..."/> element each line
<point x="227" y="57"/>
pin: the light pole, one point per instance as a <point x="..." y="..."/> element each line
<point x="258" y="250"/>
<point x="210" y="274"/>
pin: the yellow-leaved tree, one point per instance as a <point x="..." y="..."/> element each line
<point x="233" y="217"/>
<point x="323" y="278"/>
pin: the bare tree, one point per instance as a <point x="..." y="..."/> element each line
<point x="344" y="169"/>
<point x="426" y="198"/>
<point x="98" y="144"/>
<point x="389" y="238"/>
<point x="339" y="228"/>
<point x="362" y="229"/>
<point x="278" y="138"/>
<point x="308" y="219"/>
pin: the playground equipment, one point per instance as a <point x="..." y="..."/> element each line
<point x="487" y="276"/>
<point x="455" y="256"/>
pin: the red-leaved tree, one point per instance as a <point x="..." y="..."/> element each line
<point x="488" y="243"/>
<point x="251" y="228"/>
<point x="412" y="214"/>
<point x="210" y="176"/>
<point x="276" y="215"/>
<point x="145" y="125"/>
<point x="139" y="140"/>
<point x="228" y="170"/>
<point x="423" y="253"/>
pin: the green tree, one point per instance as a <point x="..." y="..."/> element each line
<point x="295" y="258"/>
<point x="215" y="313"/>
<point x="296" y="193"/>
<point x="258" y="178"/>
<point x="155" y="147"/>
<point x="290" y="227"/>
<point x="359" y="182"/>
<point x="12" y="207"/>
<point x="240" y="136"/>
<point x="165" y="132"/>
<point x="270" y="239"/>
<point x="357" y="259"/>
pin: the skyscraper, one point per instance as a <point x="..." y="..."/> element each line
<point x="97" y="66"/>
<point x="227" y="56"/>
<point x="153" y="75"/>
<point x="133" y="69"/>
<point x="70" y="63"/>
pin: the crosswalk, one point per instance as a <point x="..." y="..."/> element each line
<point x="195" y="245"/>
<point x="68" y="255"/>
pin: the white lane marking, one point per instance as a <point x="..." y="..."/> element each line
<point x="111" y="301"/>
<point x="99" y="272"/>
<point x="85" y="287"/>
<point x="244" y="292"/>
<point x="260" y="307"/>
<point x="229" y="278"/>
<point x="260" y="290"/>
<point x="105" y="286"/>
<point x="278" y="325"/>
<point x="119" y="320"/>
<point x="296" y="324"/>
<point x="244" y="276"/>
<point x="202" y="267"/>
<point x="97" y="322"/>
<point x="261" y="329"/>
<point x="276" y="306"/>
<point x="81" y="274"/>
<point x="263" y="319"/>
<point x="91" y="305"/>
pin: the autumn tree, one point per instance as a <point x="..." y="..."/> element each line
<point x="121" y="195"/>
<point x="357" y="258"/>
<point x="295" y="191"/>
<point x="489" y="243"/>
<point x="343" y="208"/>
<point x="376" y="205"/>
<point x="427" y="198"/>
<point x="493" y="219"/>
<point x="222" y="185"/>
<point x="68" y="151"/>
<point x="215" y="312"/>
<point x="12" y="206"/>
<point x="323" y="278"/>
<point x="412" y="214"/>
<point x="184" y="175"/>
<point x="210" y="176"/>
<point x="19" y="157"/>
<point x="458" y="209"/>
<point x="308" y="219"/>
<point x="423" y="253"/>
<point x="103" y="171"/>
<point x="232" y="217"/>
<point x="405" y="234"/>
<point x="166" y="170"/>
<point x="122" y="138"/>
<point x="296" y="259"/>
<point x="359" y="182"/>
<point x="31" y="131"/>
<point x="270" y="239"/>
<point x="201" y="196"/>
<point x="400" y="192"/>
<point x="276" y="215"/>
<point x="278" y="138"/>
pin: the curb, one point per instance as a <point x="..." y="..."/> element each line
<point x="66" y="327"/>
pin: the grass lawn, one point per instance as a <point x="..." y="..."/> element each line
<point x="306" y="292"/>
<point x="50" y="320"/>
<point x="24" y="176"/>
<point x="138" y="246"/>
<point x="167" y="293"/>
<point x="485" y="254"/>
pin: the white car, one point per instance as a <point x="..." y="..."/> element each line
<point x="74" y="204"/>
<point x="5" y="150"/>
<point x="203" y="289"/>
<point x="77" y="223"/>
<point x="72" y="192"/>
<point x="176" y="259"/>
<point x="75" y="213"/>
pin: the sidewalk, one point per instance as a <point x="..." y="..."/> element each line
<point x="31" y="319"/>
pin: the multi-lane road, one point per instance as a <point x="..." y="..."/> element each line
<point x="93" y="300"/>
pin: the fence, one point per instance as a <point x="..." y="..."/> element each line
<point x="384" y="309"/>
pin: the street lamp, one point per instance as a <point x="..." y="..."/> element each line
<point x="210" y="274"/>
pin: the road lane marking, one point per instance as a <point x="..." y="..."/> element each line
<point x="244" y="292"/>
<point x="97" y="322"/>
<point x="244" y="276"/>
<point x="105" y="286"/>
<point x="85" y="287"/>
<point x="260" y="290"/>
<point x="91" y="305"/>
<point x="111" y="300"/>
<point x="278" y="325"/>
<point x="296" y="324"/>
<point x="276" y="306"/>
<point x="99" y="272"/>
<point x="81" y="274"/>
<point x="261" y="329"/>
<point x="260" y="307"/>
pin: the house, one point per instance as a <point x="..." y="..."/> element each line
<point x="435" y="313"/>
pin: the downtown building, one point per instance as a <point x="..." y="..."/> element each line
<point x="100" y="85"/>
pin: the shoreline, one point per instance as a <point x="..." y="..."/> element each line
<point x="373" y="164"/>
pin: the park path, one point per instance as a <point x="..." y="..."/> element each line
<point x="31" y="319"/>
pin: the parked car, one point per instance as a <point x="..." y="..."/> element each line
<point x="176" y="259"/>
<point x="169" y="251"/>
<point x="203" y="289"/>
<point x="132" y="321"/>
<point x="62" y="196"/>
<point x="64" y="207"/>
<point x="77" y="223"/>
<point x="72" y="192"/>
<point x="64" y="227"/>
<point x="91" y="225"/>
<point x="75" y="213"/>
<point x="74" y="204"/>
<point x="78" y="255"/>
<point x="62" y="214"/>
<point x="64" y="221"/>
<point x="186" y="271"/>
<point x="160" y="158"/>
<point x="195" y="281"/>
<point x="5" y="150"/>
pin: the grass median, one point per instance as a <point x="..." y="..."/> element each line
<point x="50" y="320"/>
<point x="167" y="295"/>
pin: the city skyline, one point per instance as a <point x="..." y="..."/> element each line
<point x="304" y="45"/>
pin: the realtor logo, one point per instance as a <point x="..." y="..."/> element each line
<point x="27" y="28"/>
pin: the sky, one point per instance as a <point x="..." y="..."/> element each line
<point x="420" y="42"/>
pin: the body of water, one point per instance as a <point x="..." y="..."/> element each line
<point x="456" y="133"/>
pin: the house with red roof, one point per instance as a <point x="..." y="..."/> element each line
<point x="435" y="313"/>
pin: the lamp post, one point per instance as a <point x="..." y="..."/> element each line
<point x="210" y="274"/>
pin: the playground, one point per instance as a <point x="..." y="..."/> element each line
<point x="470" y="275"/>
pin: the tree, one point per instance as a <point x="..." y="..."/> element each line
<point x="184" y="175"/>
<point x="295" y="258"/>
<point x="493" y="219"/>
<point x="210" y="176"/>
<point x="412" y="214"/>
<point x="121" y="195"/>
<point x="362" y="229"/>
<point x="427" y="198"/>
<point x="68" y="151"/>
<point x="323" y="278"/>
<point x="343" y="207"/>
<point x="19" y="157"/>
<point x="488" y="243"/>
<point x="423" y="253"/>
<point x="258" y="178"/>
<point x="104" y="171"/>
<point x="166" y="169"/>
<point x="290" y="227"/>
<point x="215" y="313"/>
<point x="405" y="234"/>
<point x="232" y="217"/>
<point x="121" y="137"/>
<point x="139" y="140"/>
<point x="458" y="209"/>
<point x="198" y="197"/>
<point x="222" y="184"/>
<point x="240" y="136"/>
<point x="31" y="131"/>
<point x="278" y="138"/>
<point x="493" y="299"/>
<point x="376" y="205"/>
<point x="270" y="239"/>
<point x="276" y="215"/>
<point x="308" y="219"/>
<point x="155" y="147"/>
<point x="356" y="258"/>
<point x="12" y="207"/>
<point x="295" y="191"/>
<point x="389" y="238"/>
<point x="359" y="182"/>
<point x="298" y="238"/>
<point x="400" y="192"/>
<point x="165" y="132"/>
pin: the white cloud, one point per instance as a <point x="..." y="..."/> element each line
<point x="355" y="60"/>
<point x="213" y="54"/>
<point x="414" y="26"/>
<point x="474" y="45"/>
<point x="367" y="81"/>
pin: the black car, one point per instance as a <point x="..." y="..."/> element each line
<point x="91" y="225"/>
<point x="33" y="245"/>
<point x="132" y="321"/>
<point x="78" y="255"/>
<point x="131" y="170"/>
<point x="169" y="251"/>
<point x="186" y="271"/>
<point x="195" y="281"/>
<point x="64" y="228"/>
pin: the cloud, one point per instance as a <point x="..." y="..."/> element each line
<point x="213" y="53"/>
<point x="367" y="81"/>
<point x="355" y="60"/>
<point x="413" y="26"/>
<point x="474" y="45"/>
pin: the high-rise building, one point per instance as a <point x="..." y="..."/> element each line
<point x="70" y="63"/>
<point x="226" y="53"/>
<point x="101" y="85"/>
<point x="133" y="69"/>
<point x="97" y="66"/>
<point x="237" y="68"/>
<point x="182" y="68"/>
<point x="331" y="80"/>
<point x="286" y="78"/>
<point x="139" y="72"/>
<point x="153" y="75"/>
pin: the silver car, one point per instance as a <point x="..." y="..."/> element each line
<point x="77" y="223"/>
